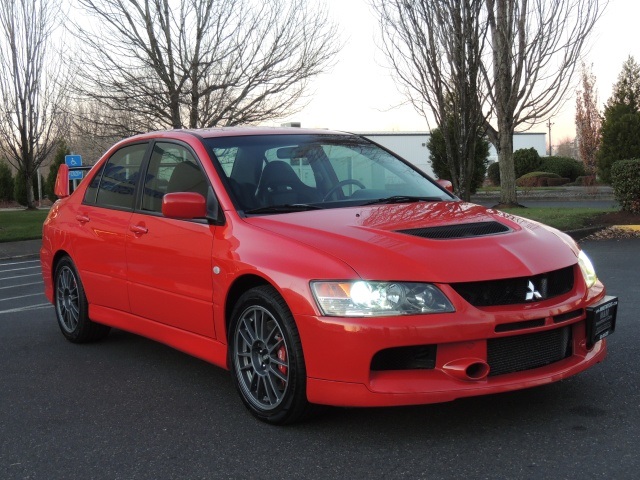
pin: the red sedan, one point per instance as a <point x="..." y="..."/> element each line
<point x="319" y="268"/>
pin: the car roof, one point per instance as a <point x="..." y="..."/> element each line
<point x="238" y="132"/>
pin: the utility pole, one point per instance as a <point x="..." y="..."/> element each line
<point x="549" y="126"/>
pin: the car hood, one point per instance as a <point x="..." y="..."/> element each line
<point x="369" y="240"/>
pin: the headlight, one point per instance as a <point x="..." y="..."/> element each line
<point x="375" y="299"/>
<point x="588" y="272"/>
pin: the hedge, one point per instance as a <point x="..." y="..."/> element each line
<point x="625" y="180"/>
<point x="563" y="166"/>
<point x="536" y="179"/>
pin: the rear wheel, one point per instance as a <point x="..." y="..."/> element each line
<point x="72" y="308"/>
<point x="265" y="357"/>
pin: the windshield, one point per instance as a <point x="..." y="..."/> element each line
<point x="280" y="173"/>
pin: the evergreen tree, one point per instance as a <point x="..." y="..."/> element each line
<point x="621" y="124"/>
<point x="440" y="166"/>
<point x="6" y="182"/>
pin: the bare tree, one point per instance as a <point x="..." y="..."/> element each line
<point x="435" y="49"/>
<point x="566" y="147"/>
<point x="588" y="121"/>
<point x="201" y="63"/>
<point x="536" y="45"/>
<point x="32" y="98"/>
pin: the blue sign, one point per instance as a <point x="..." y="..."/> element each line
<point x="75" y="174"/>
<point x="73" y="161"/>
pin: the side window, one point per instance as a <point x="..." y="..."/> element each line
<point x="92" y="190"/>
<point x="119" y="178"/>
<point x="172" y="168"/>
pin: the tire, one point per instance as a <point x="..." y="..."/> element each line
<point x="72" y="308"/>
<point x="266" y="359"/>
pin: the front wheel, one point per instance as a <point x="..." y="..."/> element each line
<point x="72" y="308"/>
<point x="265" y="357"/>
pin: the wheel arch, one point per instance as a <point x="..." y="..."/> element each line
<point x="238" y="287"/>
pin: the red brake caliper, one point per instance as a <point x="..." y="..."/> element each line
<point x="282" y="356"/>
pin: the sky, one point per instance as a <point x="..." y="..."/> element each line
<point x="359" y="94"/>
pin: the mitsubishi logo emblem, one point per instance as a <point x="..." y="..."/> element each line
<point x="532" y="293"/>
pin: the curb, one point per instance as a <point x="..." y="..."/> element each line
<point x="580" y="233"/>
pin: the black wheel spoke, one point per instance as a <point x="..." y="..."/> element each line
<point x="275" y="372"/>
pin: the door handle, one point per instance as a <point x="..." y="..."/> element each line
<point x="82" y="218"/>
<point x="138" y="229"/>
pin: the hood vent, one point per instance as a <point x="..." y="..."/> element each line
<point x="464" y="230"/>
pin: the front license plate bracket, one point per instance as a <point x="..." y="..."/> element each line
<point x="601" y="319"/>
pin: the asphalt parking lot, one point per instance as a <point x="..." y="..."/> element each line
<point x="130" y="408"/>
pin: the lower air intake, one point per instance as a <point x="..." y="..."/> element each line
<point x="525" y="352"/>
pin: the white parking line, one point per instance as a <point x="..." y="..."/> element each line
<point x="21" y="296"/>
<point x="22" y="276"/>
<point x="19" y="263"/>
<point x="30" y="307"/>
<point x="18" y="269"/>
<point x="22" y="285"/>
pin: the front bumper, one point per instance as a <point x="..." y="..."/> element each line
<point x="339" y="352"/>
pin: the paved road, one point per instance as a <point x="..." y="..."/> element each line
<point x="130" y="408"/>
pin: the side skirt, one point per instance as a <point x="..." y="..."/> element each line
<point x="204" y="348"/>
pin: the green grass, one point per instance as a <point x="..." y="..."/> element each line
<point x="21" y="225"/>
<point x="560" y="218"/>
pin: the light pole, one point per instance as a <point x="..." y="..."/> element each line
<point x="550" y="147"/>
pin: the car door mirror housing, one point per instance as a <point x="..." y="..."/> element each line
<point x="61" y="188"/>
<point x="184" y="205"/>
<point x="446" y="184"/>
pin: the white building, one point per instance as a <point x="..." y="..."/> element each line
<point x="412" y="146"/>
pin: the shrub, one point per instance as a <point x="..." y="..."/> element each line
<point x="586" y="181"/>
<point x="536" y="179"/>
<point x="20" y="189"/>
<point x="563" y="166"/>
<point x="6" y="183"/>
<point x="625" y="180"/>
<point x="493" y="172"/>
<point x="526" y="160"/>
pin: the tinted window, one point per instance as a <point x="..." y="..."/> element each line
<point x="120" y="177"/>
<point x="172" y="168"/>
<point x="92" y="189"/>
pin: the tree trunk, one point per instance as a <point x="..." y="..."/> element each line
<point x="508" y="194"/>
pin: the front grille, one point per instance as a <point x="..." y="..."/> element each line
<point x="464" y="230"/>
<point x="418" y="357"/>
<point x="513" y="291"/>
<point x="525" y="352"/>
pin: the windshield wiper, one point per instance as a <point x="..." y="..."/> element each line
<point x="284" y="208"/>
<point x="402" y="199"/>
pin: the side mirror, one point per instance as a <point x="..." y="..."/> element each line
<point x="184" y="205"/>
<point x="446" y="184"/>
<point x="61" y="188"/>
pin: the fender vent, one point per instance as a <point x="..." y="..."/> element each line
<point x="464" y="230"/>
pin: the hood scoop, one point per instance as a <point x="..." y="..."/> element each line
<point x="460" y="230"/>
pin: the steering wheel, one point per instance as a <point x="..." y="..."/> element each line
<point x="339" y="185"/>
